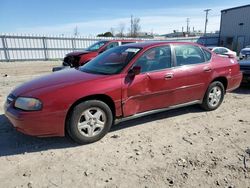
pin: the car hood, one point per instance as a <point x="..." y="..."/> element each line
<point x="63" y="78"/>
<point x="78" y="53"/>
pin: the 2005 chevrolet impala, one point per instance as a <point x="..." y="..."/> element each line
<point x="122" y="83"/>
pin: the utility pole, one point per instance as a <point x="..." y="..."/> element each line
<point x="207" y="10"/>
<point x="188" y="20"/>
<point x="76" y="33"/>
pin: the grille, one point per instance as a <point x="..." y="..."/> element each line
<point x="244" y="67"/>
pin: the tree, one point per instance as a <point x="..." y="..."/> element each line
<point x="112" y="30"/>
<point x="107" y="34"/>
<point x="134" y="26"/>
<point x="121" y="29"/>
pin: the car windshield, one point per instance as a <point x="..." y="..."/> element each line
<point x="248" y="46"/>
<point x="96" y="46"/>
<point x="112" y="61"/>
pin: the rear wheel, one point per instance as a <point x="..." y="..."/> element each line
<point x="89" y="121"/>
<point x="214" y="96"/>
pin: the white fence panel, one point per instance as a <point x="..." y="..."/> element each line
<point x="34" y="47"/>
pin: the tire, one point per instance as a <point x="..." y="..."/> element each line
<point x="214" y="96"/>
<point x="89" y="121"/>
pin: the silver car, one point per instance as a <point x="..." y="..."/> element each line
<point x="245" y="52"/>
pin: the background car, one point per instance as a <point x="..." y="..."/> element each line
<point x="75" y="59"/>
<point x="222" y="50"/>
<point x="245" y="52"/>
<point x="245" y="69"/>
<point x="122" y="83"/>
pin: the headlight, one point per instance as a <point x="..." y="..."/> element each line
<point x="29" y="104"/>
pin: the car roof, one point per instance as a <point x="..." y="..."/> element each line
<point x="158" y="43"/>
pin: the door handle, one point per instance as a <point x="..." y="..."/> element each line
<point x="207" y="69"/>
<point x="169" y="76"/>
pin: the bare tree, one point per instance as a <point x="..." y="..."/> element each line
<point x="134" y="26"/>
<point x="121" y="30"/>
<point x="112" y="30"/>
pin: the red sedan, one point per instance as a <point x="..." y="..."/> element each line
<point x="122" y="83"/>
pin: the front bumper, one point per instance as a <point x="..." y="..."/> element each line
<point x="36" y="123"/>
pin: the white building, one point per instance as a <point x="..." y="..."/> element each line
<point x="235" y="27"/>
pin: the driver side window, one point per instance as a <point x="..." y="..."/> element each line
<point x="155" y="59"/>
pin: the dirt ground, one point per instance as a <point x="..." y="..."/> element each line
<point x="185" y="147"/>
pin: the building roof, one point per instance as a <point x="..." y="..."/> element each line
<point x="235" y="8"/>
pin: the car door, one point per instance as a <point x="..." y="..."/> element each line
<point x="191" y="74"/>
<point x="152" y="88"/>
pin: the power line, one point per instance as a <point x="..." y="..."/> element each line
<point x="206" y="21"/>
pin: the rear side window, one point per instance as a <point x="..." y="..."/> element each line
<point x="223" y="50"/>
<point x="188" y="55"/>
<point x="217" y="51"/>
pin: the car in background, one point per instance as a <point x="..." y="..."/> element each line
<point x="245" y="69"/>
<point x="122" y="83"/>
<point x="245" y="52"/>
<point x="222" y="50"/>
<point x="78" y="58"/>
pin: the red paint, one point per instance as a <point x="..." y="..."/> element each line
<point x="60" y="90"/>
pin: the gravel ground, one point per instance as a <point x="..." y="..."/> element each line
<point x="185" y="147"/>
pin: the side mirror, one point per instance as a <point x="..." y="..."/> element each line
<point x="135" y="70"/>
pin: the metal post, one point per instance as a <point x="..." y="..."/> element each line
<point x="5" y="48"/>
<point x="73" y="44"/>
<point x="45" y="48"/>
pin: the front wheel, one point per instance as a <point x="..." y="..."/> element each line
<point x="214" y="96"/>
<point x="89" y="121"/>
